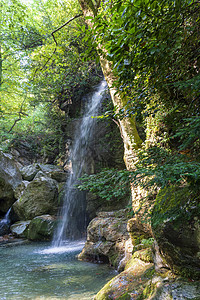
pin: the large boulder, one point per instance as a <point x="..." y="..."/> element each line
<point x="10" y="178"/>
<point x="40" y="197"/>
<point x="176" y="226"/>
<point x="106" y="238"/>
<point x="130" y="283"/>
<point x="41" y="228"/>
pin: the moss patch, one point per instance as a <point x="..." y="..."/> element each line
<point x="175" y="223"/>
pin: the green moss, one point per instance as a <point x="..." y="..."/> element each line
<point x="113" y="258"/>
<point x="125" y="296"/>
<point x="175" y="223"/>
<point x="144" y="255"/>
<point x="136" y="238"/>
<point x="103" y="293"/>
<point x="173" y="202"/>
<point x="148" y="292"/>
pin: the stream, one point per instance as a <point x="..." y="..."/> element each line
<point x="38" y="271"/>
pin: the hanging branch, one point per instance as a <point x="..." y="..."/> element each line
<point x="20" y="115"/>
<point x="52" y="33"/>
<point x="73" y="18"/>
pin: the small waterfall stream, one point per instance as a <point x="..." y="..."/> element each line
<point x="4" y="223"/>
<point x="72" y="224"/>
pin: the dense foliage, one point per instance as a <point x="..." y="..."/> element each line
<point x="41" y="75"/>
<point x="154" y="50"/>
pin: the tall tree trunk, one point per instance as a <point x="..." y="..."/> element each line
<point x="127" y="125"/>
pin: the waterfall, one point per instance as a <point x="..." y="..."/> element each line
<point x="72" y="224"/>
<point x="4" y="223"/>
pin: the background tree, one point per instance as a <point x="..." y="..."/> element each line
<point x="42" y="75"/>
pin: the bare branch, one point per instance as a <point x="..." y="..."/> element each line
<point x="73" y="18"/>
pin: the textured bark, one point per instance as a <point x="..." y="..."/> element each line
<point x="127" y="125"/>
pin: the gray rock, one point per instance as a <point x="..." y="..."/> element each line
<point x="54" y="172"/>
<point x="29" y="172"/>
<point x="19" y="229"/>
<point x="106" y="238"/>
<point x="10" y="178"/>
<point x="20" y="189"/>
<point x="169" y="290"/>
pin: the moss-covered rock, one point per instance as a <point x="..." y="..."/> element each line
<point x="106" y="238"/>
<point x="144" y="255"/>
<point x="40" y="197"/>
<point x="41" y="228"/>
<point x="176" y="226"/>
<point x="168" y="288"/>
<point x="129" y="284"/>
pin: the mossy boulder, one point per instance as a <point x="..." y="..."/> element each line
<point x="41" y="228"/>
<point x="176" y="226"/>
<point x="129" y="284"/>
<point x="106" y="238"/>
<point x="40" y="197"/>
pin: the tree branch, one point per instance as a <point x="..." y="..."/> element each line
<point x="20" y="115"/>
<point x="73" y="18"/>
<point x="52" y="33"/>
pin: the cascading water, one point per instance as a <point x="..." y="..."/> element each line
<point x="73" y="210"/>
<point x="4" y="223"/>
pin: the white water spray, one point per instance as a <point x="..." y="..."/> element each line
<point x="73" y="210"/>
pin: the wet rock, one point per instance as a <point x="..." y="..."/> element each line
<point x="106" y="238"/>
<point x="41" y="228"/>
<point x="19" y="229"/>
<point x="40" y="197"/>
<point x="10" y="178"/>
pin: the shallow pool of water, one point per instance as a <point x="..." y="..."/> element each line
<point x="36" y="271"/>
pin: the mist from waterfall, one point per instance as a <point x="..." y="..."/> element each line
<point x="72" y="215"/>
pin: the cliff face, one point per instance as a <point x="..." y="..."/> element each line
<point x="169" y="210"/>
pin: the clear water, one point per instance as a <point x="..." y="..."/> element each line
<point x="37" y="271"/>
